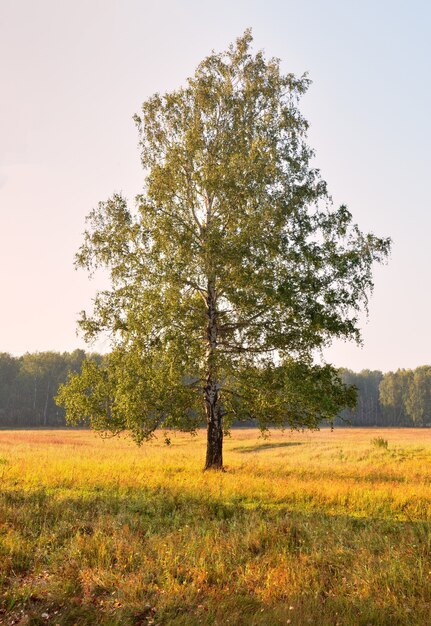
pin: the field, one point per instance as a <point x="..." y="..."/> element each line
<point x="320" y="528"/>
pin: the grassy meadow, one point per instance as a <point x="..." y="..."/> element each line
<point x="320" y="528"/>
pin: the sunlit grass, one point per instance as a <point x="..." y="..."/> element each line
<point x="319" y="528"/>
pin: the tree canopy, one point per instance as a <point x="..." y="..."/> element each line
<point x="230" y="272"/>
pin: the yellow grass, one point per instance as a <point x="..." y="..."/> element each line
<point x="321" y="528"/>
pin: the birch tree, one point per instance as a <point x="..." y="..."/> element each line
<point x="230" y="272"/>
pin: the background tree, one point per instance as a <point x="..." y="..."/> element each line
<point x="393" y="391"/>
<point x="29" y="383"/>
<point x="406" y="395"/>
<point x="418" y="397"/>
<point x="9" y="370"/>
<point x="401" y="398"/>
<point x="368" y="411"/>
<point x="233" y="269"/>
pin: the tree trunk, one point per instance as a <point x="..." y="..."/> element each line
<point x="214" y="458"/>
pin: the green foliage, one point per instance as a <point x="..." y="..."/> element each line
<point x="368" y="411"/>
<point x="407" y="393"/>
<point x="127" y="392"/>
<point x="294" y="394"/>
<point x="232" y="270"/>
<point x="9" y="371"/>
<point x="418" y="398"/>
<point x="29" y="383"/>
<point x="379" y="442"/>
<point x="392" y="394"/>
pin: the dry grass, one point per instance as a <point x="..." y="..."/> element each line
<point x="318" y="528"/>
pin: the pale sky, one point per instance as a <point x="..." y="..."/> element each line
<point x="73" y="73"/>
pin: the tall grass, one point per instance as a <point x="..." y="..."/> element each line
<point x="315" y="528"/>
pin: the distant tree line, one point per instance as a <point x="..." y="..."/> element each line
<point x="29" y="383"/>
<point x="401" y="398"/>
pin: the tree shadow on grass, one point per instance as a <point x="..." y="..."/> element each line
<point x="79" y="539"/>
<point x="261" y="447"/>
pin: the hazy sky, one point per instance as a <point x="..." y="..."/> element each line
<point x="73" y="72"/>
